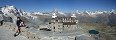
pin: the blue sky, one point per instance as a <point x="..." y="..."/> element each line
<point x="61" y="5"/>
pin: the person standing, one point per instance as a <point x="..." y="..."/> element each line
<point x="1" y="19"/>
<point x="19" y="24"/>
<point x="1" y="22"/>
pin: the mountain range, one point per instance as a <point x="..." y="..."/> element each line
<point x="9" y="14"/>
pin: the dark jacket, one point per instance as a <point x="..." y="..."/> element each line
<point x="18" y="22"/>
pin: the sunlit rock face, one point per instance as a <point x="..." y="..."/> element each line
<point x="11" y="12"/>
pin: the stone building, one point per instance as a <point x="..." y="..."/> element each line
<point x="63" y="23"/>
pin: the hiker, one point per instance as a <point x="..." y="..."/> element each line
<point x="19" y="24"/>
<point x="1" y="22"/>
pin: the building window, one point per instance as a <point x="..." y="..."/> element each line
<point x="54" y="28"/>
<point x="56" y="20"/>
<point x="49" y="23"/>
<point x="65" y="18"/>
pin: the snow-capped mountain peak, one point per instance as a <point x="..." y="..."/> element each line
<point x="11" y="10"/>
<point x="8" y="9"/>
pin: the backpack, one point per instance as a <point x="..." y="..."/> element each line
<point x="22" y="24"/>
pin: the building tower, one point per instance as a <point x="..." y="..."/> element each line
<point x="54" y="13"/>
<point x="73" y="15"/>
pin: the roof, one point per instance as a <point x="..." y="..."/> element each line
<point x="62" y="18"/>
